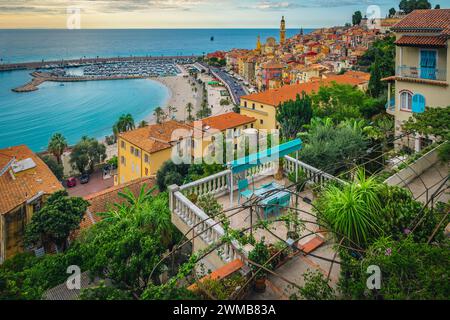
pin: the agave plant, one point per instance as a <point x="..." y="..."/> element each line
<point x="353" y="211"/>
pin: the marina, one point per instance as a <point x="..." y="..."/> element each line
<point x="108" y="70"/>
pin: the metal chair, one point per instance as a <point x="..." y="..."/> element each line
<point x="270" y="207"/>
<point x="243" y="189"/>
<point x="284" y="201"/>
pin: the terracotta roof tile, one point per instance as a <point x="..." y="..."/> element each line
<point x="154" y="137"/>
<point x="274" y="97"/>
<point x="26" y="184"/>
<point x="437" y="19"/>
<point x="431" y="41"/>
<point x="226" y="121"/>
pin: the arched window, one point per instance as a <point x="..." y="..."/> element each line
<point x="406" y="100"/>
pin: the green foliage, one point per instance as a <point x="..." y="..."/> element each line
<point x="209" y="204"/>
<point x="26" y="277"/>
<point x="400" y="213"/>
<point x="54" y="166"/>
<point x="57" y="145"/>
<point x="260" y="255"/>
<point x="168" y="291"/>
<point x="55" y="221"/>
<point x="114" y="162"/>
<point x="392" y="12"/>
<point x="352" y="211"/>
<point x="104" y="293"/>
<point x="224" y="102"/>
<point x="434" y="121"/>
<point x="409" y="6"/>
<point x="160" y="115"/>
<point x="316" y="287"/>
<point x="179" y="174"/>
<point x="410" y="271"/>
<point x="86" y="154"/>
<point x="221" y="289"/>
<point x="327" y="146"/>
<point x="341" y="102"/>
<point x="293" y="115"/>
<point x="356" y="18"/>
<point x="124" y="123"/>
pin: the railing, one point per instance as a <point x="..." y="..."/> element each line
<point x="422" y="73"/>
<point x="206" y="228"/>
<point x="315" y="175"/>
<point x="217" y="184"/>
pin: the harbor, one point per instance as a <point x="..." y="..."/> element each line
<point x="108" y="70"/>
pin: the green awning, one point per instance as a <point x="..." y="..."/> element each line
<point x="265" y="156"/>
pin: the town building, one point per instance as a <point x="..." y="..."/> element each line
<point x="263" y="105"/>
<point x="25" y="183"/>
<point x="142" y="152"/>
<point x="422" y="66"/>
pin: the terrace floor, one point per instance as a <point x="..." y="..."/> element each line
<point x="293" y="269"/>
<point x="431" y="180"/>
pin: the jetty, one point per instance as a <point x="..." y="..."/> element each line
<point x="41" y="77"/>
<point x="74" y="63"/>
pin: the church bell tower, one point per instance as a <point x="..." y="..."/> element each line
<point x="283" y="32"/>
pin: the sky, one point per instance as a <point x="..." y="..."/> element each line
<point x="119" y="14"/>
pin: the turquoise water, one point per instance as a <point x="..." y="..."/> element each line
<point x="75" y="109"/>
<point x="91" y="108"/>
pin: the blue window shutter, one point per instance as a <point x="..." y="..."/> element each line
<point x="418" y="103"/>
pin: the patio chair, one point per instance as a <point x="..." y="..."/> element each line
<point x="243" y="189"/>
<point x="270" y="206"/>
<point x="284" y="201"/>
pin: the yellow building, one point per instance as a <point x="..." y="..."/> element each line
<point x="142" y="152"/>
<point x="263" y="105"/>
<point x="422" y="65"/>
<point x="25" y="183"/>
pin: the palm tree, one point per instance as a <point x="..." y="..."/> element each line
<point x="124" y="124"/>
<point x="143" y="124"/>
<point x="57" y="145"/>
<point x="189" y="109"/>
<point x="172" y="110"/>
<point x="160" y="115"/>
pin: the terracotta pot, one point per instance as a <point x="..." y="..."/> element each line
<point x="260" y="285"/>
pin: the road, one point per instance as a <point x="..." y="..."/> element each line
<point x="235" y="88"/>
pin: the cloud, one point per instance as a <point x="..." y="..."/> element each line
<point x="268" y="5"/>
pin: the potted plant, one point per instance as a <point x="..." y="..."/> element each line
<point x="260" y="255"/>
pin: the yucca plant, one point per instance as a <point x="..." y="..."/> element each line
<point x="353" y="211"/>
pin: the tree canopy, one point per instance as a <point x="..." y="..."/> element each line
<point x="409" y="6"/>
<point x="59" y="216"/>
<point x="86" y="154"/>
<point x="293" y="115"/>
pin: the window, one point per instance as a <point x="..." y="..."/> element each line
<point x="428" y="64"/>
<point x="245" y="104"/>
<point x="406" y="101"/>
<point x="245" y="127"/>
<point x="262" y="107"/>
<point x="146" y="171"/>
<point x="261" y="121"/>
<point x="146" y="158"/>
<point x="418" y="103"/>
<point x="123" y="145"/>
<point x="132" y="150"/>
<point x="253" y="106"/>
<point x="137" y="153"/>
<point x="123" y="160"/>
<point x="251" y="125"/>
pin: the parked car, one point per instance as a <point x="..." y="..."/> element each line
<point x="71" y="182"/>
<point x="84" y="178"/>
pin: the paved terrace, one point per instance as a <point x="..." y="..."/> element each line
<point x="192" y="221"/>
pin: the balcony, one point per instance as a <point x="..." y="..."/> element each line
<point x="426" y="74"/>
<point x="209" y="232"/>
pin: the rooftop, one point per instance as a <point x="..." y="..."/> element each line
<point x="436" y="20"/>
<point x="17" y="188"/>
<point x="422" y="41"/>
<point x="226" y="121"/>
<point x="155" y="137"/>
<point x="274" y="97"/>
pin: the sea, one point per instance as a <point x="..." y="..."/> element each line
<point x="91" y="108"/>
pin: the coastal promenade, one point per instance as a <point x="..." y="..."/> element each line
<point x="83" y="61"/>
